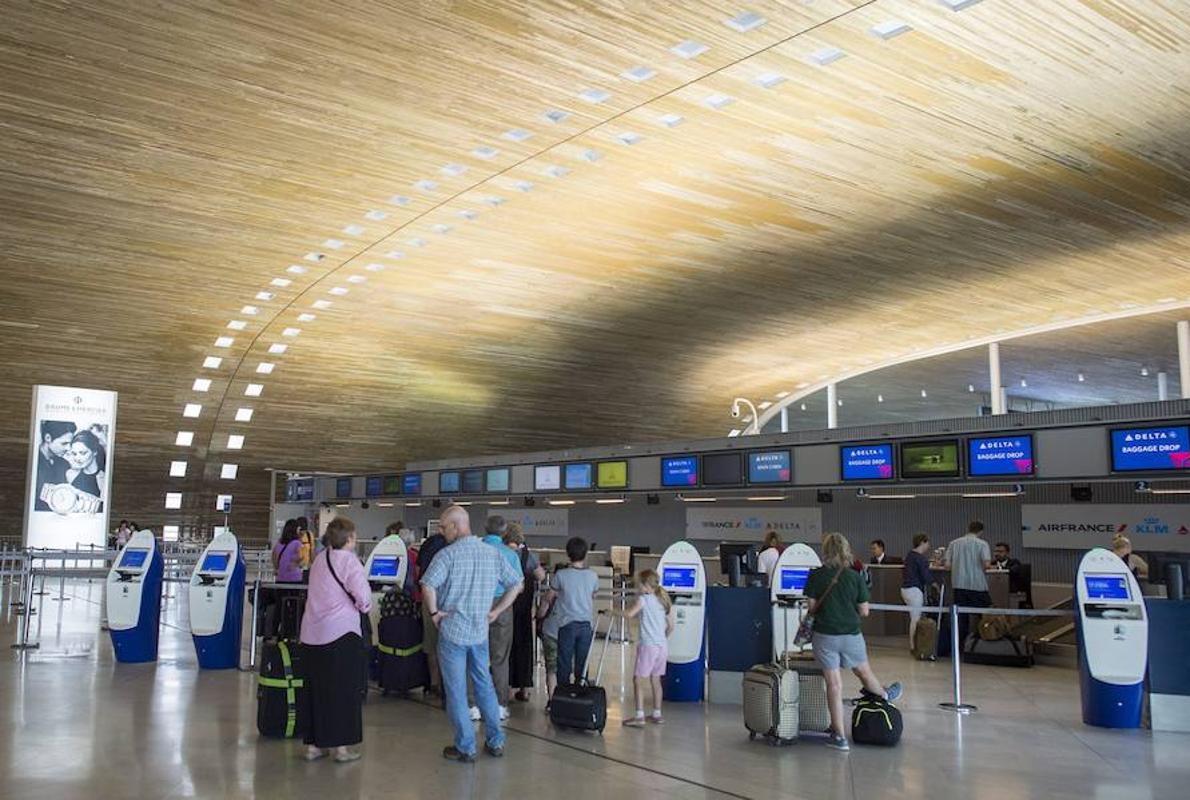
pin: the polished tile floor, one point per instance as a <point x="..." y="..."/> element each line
<point x="74" y="724"/>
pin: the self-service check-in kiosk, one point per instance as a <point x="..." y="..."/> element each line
<point x="134" y="599"/>
<point x="683" y="577"/>
<point x="386" y="568"/>
<point x="217" y="603"/>
<point x="1113" y="632"/>
<point x="787" y="587"/>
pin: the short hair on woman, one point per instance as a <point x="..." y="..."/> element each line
<point x="576" y="548"/>
<point x="836" y="550"/>
<point x="771" y="539"/>
<point x="514" y="534"/>
<point x="394" y="528"/>
<point x="338" y="532"/>
<point x="919" y="539"/>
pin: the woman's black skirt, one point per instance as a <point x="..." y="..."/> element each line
<point x="333" y="691"/>
<point x="522" y="658"/>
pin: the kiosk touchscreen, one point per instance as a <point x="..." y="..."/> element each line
<point x="1113" y="634"/>
<point x="787" y="589"/>
<point x="134" y="599"/>
<point x="386" y="567"/>
<point x="683" y="577"/>
<point x="217" y="603"/>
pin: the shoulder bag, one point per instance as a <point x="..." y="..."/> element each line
<point x="365" y="622"/>
<point x="805" y="631"/>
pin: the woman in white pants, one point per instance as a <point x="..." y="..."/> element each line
<point x="915" y="579"/>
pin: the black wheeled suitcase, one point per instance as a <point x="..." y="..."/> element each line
<point x="582" y="706"/>
<point x="280" y="691"/>
<point x="403" y="665"/>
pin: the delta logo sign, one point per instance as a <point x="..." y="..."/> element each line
<point x="1154" y="448"/>
<point x="1006" y="451"/>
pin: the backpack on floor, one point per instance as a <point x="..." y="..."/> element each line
<point x="876" y="721"/>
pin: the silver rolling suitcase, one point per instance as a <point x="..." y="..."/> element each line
<point x="771" y="703"/>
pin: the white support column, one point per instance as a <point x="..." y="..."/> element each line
<point x="1003" y="395"/>
<point x="832" y="406"/>
<point x="785" y="419"/>
<point x="997" y="387"/>
<point x="1184" y="357"/>
<point x="1162" y="385"/>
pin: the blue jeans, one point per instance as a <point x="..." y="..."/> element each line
<point x="458" y="662"/>
<point x="574" y="643"/>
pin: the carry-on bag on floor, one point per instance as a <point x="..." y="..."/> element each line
<point x="582" y="706"/>
<point x="1008" y="651"/>
<point x="924" y="646"/>
<point x="403" y="665"/>
<point x="771" y="694"/>
<point x="279" y="691"/>
<point x="814" y="712"/>
<point x="876" y="721"/>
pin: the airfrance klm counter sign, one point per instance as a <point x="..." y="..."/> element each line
<point x="1159" y="528"/>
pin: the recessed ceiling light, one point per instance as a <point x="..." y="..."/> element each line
<point x="485" y="152"/>
<point x="731" y="434"/>
<point x="671" y="120"/>
<point x="356" y="279"/>
<point x="321" y="305"/>
<point x="1082" y="378"/>
<point x="280" y="283"/>
<point x="222" y="501"/>
<point x="228" y="471"/>
<point x="689" y="49"/>
<point x="970" y="387"/>
<point x="923" y="393"/>
<point x="879" y="398"/>
<point x="494" y="200"/>
<point x="265" y="296"/>
<point x="212" y="362"/>
<point x="224" y="341"/>
<point x="426" y="185"/>
<point x="1024" y="384"/>
<point x="400" y="200"/>
<point x="718" y="101"/>
<point x="1144" y="372"/>
<point x="314" y="257"/>
<point x="556" y="171"/>
<point x="376" y="215"/>
<point x="306" y="316"/>
<point x="173" y="500"/>
<point x="291" y="332"/>
<point x="782" y="395"/>
<point x="184" y="438"/>
<point x="839" y="402"/>
<point x="628" y="137"/>
<point x="265" y="367"/>
<point x="235" y="441"/>
<point x="334" y="244"/>
<point x="826" y="55"/>
<point x="296" y="269"/>
<point x="590" y="155"/>
<point x="638" y="74"/>
<point x="253" y="390"/>
<point x="375" y="268"/>
<point x="595" y="96"/>
<point x="237" y="324"/>
<point x="516" y="135"/>
<point x="191" y="410"/>
<point x="278" y="348"/>
<point x="453" y="170"/>
<point x="890" y="29"/>
<point x="746" y="21"/>
<point x="468" y="214"/>
<point x="395" y="254"/>
<point x="244" y="414"/>
<point x="769" y="80"/>
<point x="523" y="186"/>
<point x="201" y="385"/>
<point x="354" y="230"/>
<point x="440" y="228"/>
<point x="958" y="5"/>
<point x="803" y="406"/>
<point x="417" y="242"/>
<point x="765" y="404"/>
<point x="555" y="116"/>
<point x="338" y="291"/>
<point x="249" y="311"/>
<point x="177" y="469"/>
<point x="1166" y="299"/>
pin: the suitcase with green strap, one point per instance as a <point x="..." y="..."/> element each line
<point x="280" y="691"/>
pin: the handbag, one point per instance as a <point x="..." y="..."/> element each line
<point x="805" y="631"/>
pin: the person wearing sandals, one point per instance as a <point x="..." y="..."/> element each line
<point x="332" y="646"/>
<point x="656" y="624"/>
<point x="838" y="598"/>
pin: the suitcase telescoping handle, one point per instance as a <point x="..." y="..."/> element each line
<point x="777" y="656"/>
<point x="602" y="653"/>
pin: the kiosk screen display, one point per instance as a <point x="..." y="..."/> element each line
<point x="680" y="471"/>
<point x="771" y="467"/>
<point x="392" y="484"/>
<point x="723" y="469"/>
<point x="343" y="487"/>
<point x="1150" y="448"/>
<point x="793" y="579"/>
<point x="134" y="559"/>
<point x="866" y="462"/>
<point x="498" y="479"/>
<point x="938" y="459"/>
<point x="384" y="567"/>
<point x="374" y="486"/>
<point x="612" y="475"/>
<point x="411" y="483"/>
<point x="448" y="482"/>
<point x="579" y="476"/>
<point x="1000" y="455"/>
<point x="473" y="481"/>
<point x="1107" y="587"/>
<point x="215" y="562"/>
<point x="547" y="479"/>
<point x="677" y="578"/>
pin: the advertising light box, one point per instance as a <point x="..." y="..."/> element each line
<point x="866" y="462"/>
<point x="1140" y="449"/>
<point x="547" y="478"/>
<point x="498" y="479"/>
<point x="343" y="487"/>
<point x="578" y="476"/>
<point x="373" y="485"/>
<point x="775" y="466"/>
<point x="411" y="483"/>
<point x="937" y="459"/>
<point x="612" y="475"/>
<point x="473" y="481"/>
<point x="989" y="456"/>
<point x="679" y="471"/>
<point x="448" y="483"/>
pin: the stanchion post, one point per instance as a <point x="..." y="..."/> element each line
<point x="23" y="640"/>
<point x="956" y="656"/>
<point x="255" y="619"/>
<point x="20" y="602"/>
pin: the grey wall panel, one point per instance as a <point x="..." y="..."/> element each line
<point x="644" y="473"/>
<point x="429" y="483"/>
<point x="816" y="464"/>
<point x="522" y="479"/>
<point x="1071" y="452"/>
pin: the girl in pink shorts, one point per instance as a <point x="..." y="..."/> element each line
<point x="656" y="624"/>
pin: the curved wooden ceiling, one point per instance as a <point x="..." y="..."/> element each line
<point x="818" y="186"/>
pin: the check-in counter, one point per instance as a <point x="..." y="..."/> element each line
<point x="710" y="565"/>
<point x="886" y="588"/>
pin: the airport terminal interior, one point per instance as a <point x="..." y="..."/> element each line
<point x="824" y="364"/>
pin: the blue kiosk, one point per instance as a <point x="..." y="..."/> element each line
<point x="684" y="578"/>
<point x="134" y="599"/>
<point x="1113" y="631"/>
<point x="217" y="603"/>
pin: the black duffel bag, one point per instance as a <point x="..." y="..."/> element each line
<point x="876" y="721"/>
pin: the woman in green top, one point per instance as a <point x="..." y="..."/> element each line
<point x="838" y="598"/>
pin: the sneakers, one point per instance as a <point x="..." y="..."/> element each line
<point x="656" y="719"/>
<point x="453" y="753"/>
<point x="494" y="752"/>
<point x="837" y="742"/>
<point x="504" y="713"/>
<point x="635" y="722"/>
<point x="893" y="691"/>
<point x="475" y="715"/>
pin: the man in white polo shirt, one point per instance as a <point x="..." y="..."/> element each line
<point x="968" y="558"/>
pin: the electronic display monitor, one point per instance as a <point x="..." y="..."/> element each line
<point x="392" y="484"/>
<point x="745" y="552"/>
<point x="473" y="481"/>
<point x="134" y="558"/>
<point x="448" y="482"/>
<point x="723" y="469"/>
<point x="990" y="456"/>
<point x="343" y="487"/>
<point x="215" y="562"/>
<point x="793" y="579"/>
<point x="547" y="478"/>
<point x="385" y="567"/>
<point x="936" y="459"/>
<point x="411" y="483"/>
<point x="578" y="476"/>
<point x="1107" y="587"/>
<point x="679" y="471"/>
<point x="773" y="466"/>
<point x="611" y="475"/>
<point x="866" y="462"/>
<point x="303" y="490"/>
<point x="499" y="479"/>
<point x="677" y="578"/>
<point x="373" y="485"/>
<point x="1150" y="449"/>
